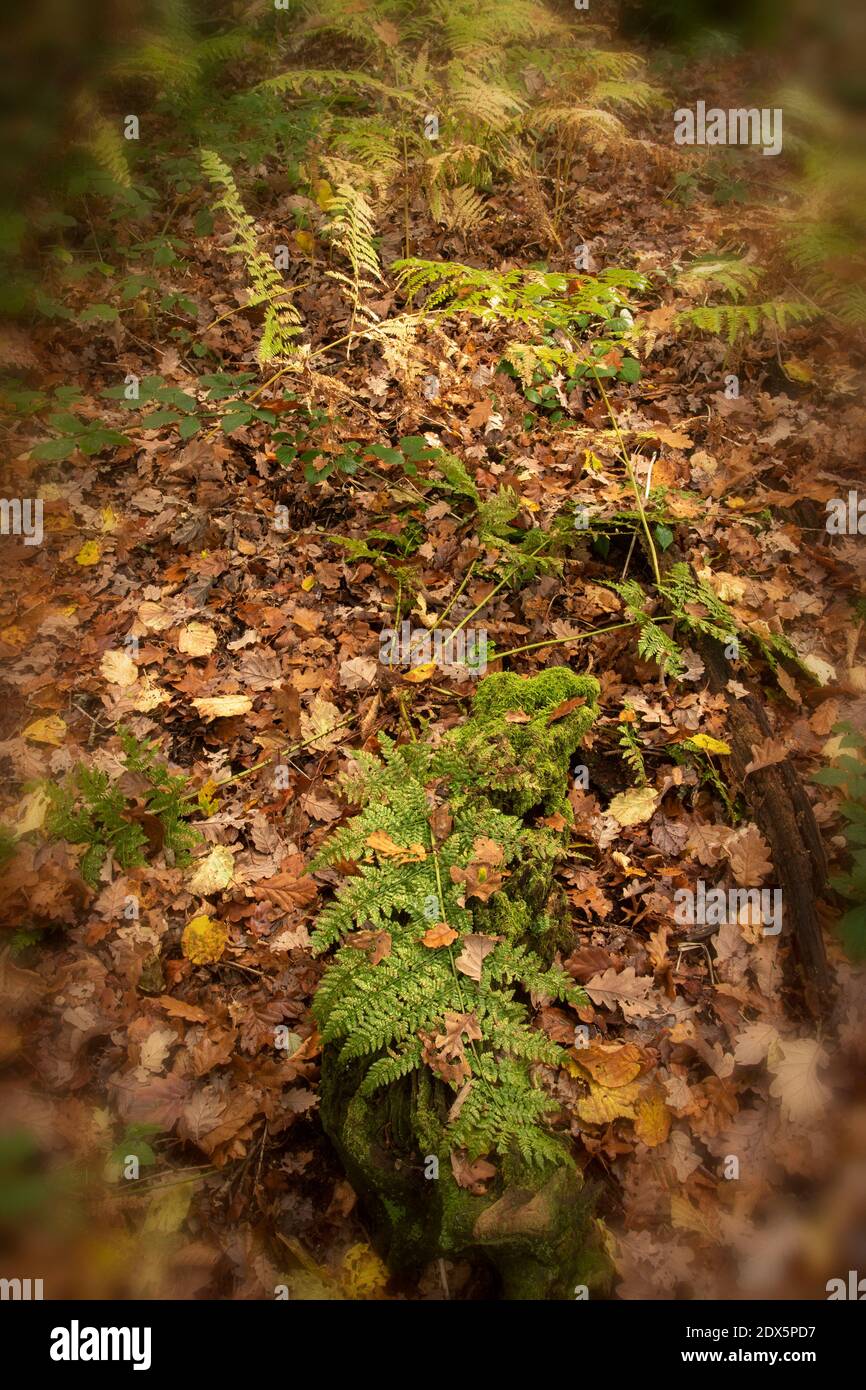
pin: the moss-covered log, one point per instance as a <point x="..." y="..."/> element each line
<point x="448" y="922"/>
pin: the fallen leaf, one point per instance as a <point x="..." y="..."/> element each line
<point x="450" y="1043"/>
<point x="204" y="940"/>
<point x="51" y="730"/>
<point x="653" y="1123"/>
<point x="749" y="856"/>
<point x="197" y="639"/>
<point x="119" y="668"/>
<point x="377" y="943"/>
<point x="89" y="554"/>
<point x="358" y="672"/>
<point x="381" y="842"/>
<point x="625" y="989"/>
<point x="475" y="950"/>
<point x="420" y="673"/>
<point x="634" y="806"/>
<point x="439" y="935"/>
<point x="317" y="724"/>
<point x="794" y="1067"/>
<point x="607" y="1103"/>
<point x="213" y="873"/>
<point x="471" y="1175"/>
<point x="610" y="1064"/>
<point x="766" y="753"/>
<point x="223" y="706"/>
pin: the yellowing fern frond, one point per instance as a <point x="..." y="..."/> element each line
<point x="474" y="99"/>
<point x="460" y="209"/>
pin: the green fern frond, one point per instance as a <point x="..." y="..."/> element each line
<point x="734" y="321"/>
<point x="735" y="275"/>
<point x="390" y="1015"/>
<point x="282" y="321"/>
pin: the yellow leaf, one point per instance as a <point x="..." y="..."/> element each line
<point x="149" y="696"/>
<point x="606" y="1103"/>
<point x="797" y="370"/>
<point x="223" y="706"/>
<point x="685" y="1217"/>
<point x="51" y="730"/>
<point x="710" y="745"/>
<point x="89" y="554"/>
<point x="31" y="813"/>
<point x="610" y="1065"/>
<point x="363" y="1274"/>
<point x="167" y="1209"/>
<point x="308" y="583"/>
<point x="306" y="242"/>
<point x="204" y="940"/>
<point x="323" y="193"/>
<point x="653" y="1123"/>
<point x="213" y="873"/>
<point x="633" y="806"/>
<point x="420" y="673"/>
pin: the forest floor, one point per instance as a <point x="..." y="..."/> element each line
<point x="253" y="638"/>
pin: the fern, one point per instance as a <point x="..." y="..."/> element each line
<point x="460" y="209"/>
<point x="692" y="605"/>
<point x="629" y="93"/>
<point x="734" y="321"/>
<point x="282" y="321"/>
<point x="630" y="749"/>
<point x="544" y="302"/>
<point x="351" y="231"/>
<point x="396" y="1015"/>
<point x="734" y="275"/>
<point x="88" y="809"/>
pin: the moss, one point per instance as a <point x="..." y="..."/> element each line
<point x="541" y="749"/>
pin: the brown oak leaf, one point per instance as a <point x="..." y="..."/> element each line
<point x="475" y="948"/>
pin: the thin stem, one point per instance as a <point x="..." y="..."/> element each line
<point x="288" y="751"/>
<point x="626" y="458"/>
<point x="557" y="641"/>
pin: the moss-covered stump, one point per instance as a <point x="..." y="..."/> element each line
<point x="432" y="1074"/>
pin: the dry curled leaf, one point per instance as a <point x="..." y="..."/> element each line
<point x="223" y="706"/>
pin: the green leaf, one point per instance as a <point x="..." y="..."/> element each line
<point x="54" y="449"/>
<point x="98" y="313"/>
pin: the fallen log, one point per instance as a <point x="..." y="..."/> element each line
<point x="782" y="811"/>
